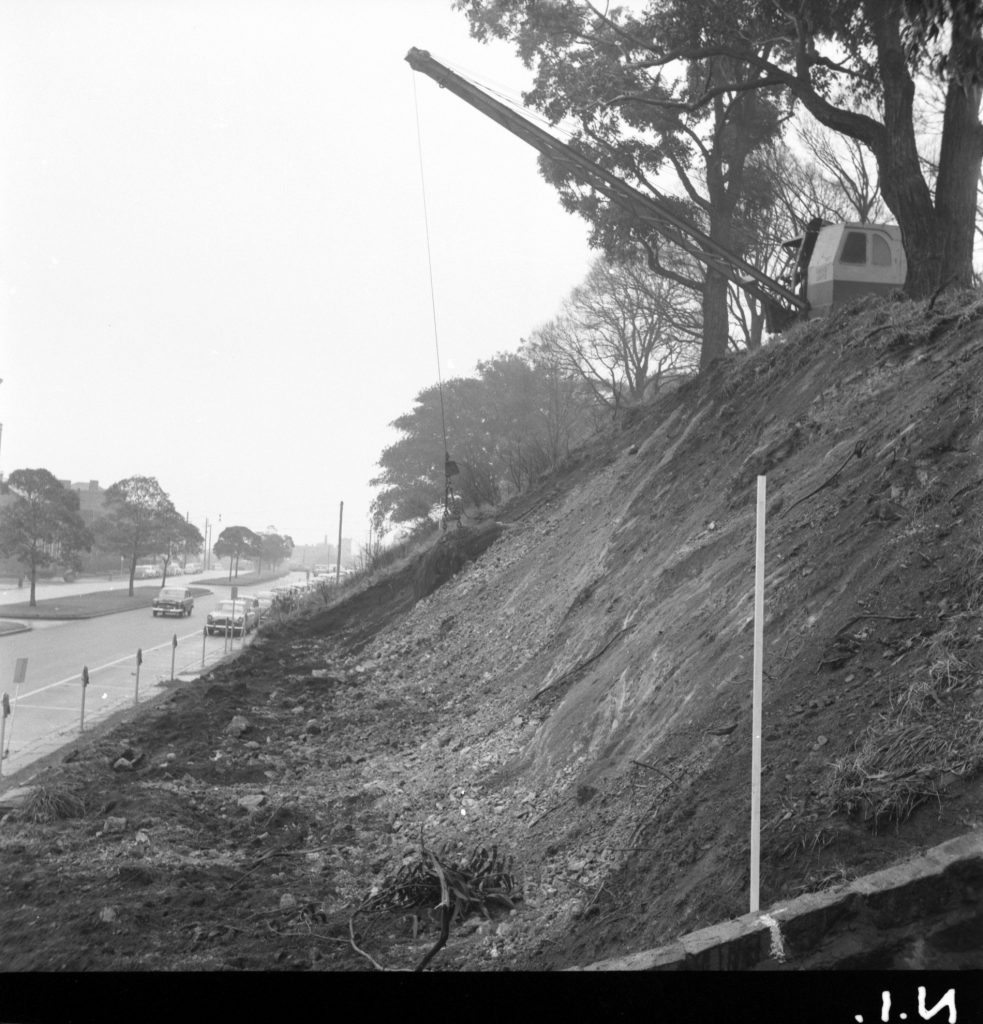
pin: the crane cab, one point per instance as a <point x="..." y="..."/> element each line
<point x="832" y="264"/>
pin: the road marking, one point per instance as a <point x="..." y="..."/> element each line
<point x="44" y="707"/>
<point x="109" y="664"/>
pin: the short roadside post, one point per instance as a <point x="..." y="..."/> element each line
<point x="759" y="616"/>
<point x="173" y="654"/>
<point x="204" y="637"/>
<point x="136" y="689"/>
<point x="232" y="638"/>
<point x="4" y="715"/>
<point x="85" y="684"/>
<point x="20" y="674"/>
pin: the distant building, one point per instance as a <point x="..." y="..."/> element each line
<point x="90" y="495"/>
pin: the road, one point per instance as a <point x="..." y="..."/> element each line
<point x="47" y="706"/>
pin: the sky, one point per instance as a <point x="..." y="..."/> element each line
<point x="213" y="249"/>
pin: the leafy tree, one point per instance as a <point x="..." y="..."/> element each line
<point x="274" y="548"/>
<point x="235" y="542"/>
<point x="502" y="428"/>
<point x="43" y="525"/>
<point x="137" y="518"/>
<point x="176" y="537"/>
<point x="837" y="58"/>
<point x="591" y="72"/>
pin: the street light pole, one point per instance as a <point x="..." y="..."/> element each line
<point x="337" y="577"/>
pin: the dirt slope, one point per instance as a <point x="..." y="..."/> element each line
<point x="578" y="696"/>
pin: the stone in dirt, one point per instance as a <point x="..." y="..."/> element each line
<point x="237" y="726"/>
<point x="251" y="803"/>
<point x="113" y="826"/>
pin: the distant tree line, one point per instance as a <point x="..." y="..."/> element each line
<point x="42" y="527"/>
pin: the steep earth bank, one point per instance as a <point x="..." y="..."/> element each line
<point x="577" y="698"/>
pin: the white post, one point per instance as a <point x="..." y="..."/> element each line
<point x="337" y="575"/>
<point x="759" y="616"/>
<point x="204" y="637"/>
<point x="173" y="653"/>
<point x="136" y="688"/>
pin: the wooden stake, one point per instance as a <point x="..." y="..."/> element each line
<point x="759" y="616"/>
<point x="173" y="653"/>
<point x="85" y="684"/>
<point x="20" y="674"/>
<point x="136" y="689"/>
<point x="3" y="727"/>
<point x="204" y="638"/>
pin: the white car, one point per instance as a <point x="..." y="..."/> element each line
<point x="236" y="616"/>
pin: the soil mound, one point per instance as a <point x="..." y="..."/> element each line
<point x="451" y="553"/>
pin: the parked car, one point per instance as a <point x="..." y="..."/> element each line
<point x="173" y="601"/>
<point x="193" y="567"/>
<point x="265" y="599"/>
<point x="146" y="572"/>
<point x="236" y="616"/>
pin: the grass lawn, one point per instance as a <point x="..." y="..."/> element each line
<point x="88" y="606"/>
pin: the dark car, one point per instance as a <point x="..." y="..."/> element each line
<point x="174" y="601"/>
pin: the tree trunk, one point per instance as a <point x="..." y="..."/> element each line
<point x="960" y="157"/>
<point x="715" y="319"/>
<point x="938" y="238"/>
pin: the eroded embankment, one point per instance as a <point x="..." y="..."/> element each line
<point x="601" y="653"/>
<point x="580" y="694"/>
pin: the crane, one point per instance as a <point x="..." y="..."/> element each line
<point x="828" y="264"/>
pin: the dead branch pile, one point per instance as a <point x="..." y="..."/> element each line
<point x="434" y="881"/>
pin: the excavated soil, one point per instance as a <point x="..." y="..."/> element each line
<point x="577" y="696"/>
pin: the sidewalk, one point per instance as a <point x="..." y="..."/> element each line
<point x="112" y="696"/>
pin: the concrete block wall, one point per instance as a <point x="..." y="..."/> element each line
<point x="924" y="913"/>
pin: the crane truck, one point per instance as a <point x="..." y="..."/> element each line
<point x="825" y="266"/>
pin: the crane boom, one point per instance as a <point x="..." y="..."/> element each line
<point x="655" y="210"/>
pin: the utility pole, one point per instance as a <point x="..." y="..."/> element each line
<point x="337" y="575"/>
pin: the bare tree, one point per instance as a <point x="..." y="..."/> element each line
<point x="846" y="164"/>
<point x="623" y="331"/>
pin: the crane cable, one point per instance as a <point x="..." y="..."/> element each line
<point x="450" y="467"/>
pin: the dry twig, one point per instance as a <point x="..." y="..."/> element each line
<point x="857" y="452"/>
